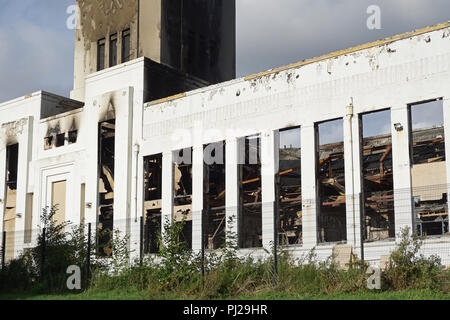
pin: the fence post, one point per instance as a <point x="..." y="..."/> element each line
<point x="43" y="252"/>
<point x="88" y="258"/>
<point x="203" y="245"/>
<point x="3" y="249"/>
<point x="141" y="240"/>
<point x="362" y="222"/>
<point x="275" y="241"/>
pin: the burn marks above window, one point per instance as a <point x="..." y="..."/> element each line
<point x="57" y="140"/>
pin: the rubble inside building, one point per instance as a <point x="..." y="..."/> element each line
<point x="182" y="202"/>
<point x="290" y="188"/>
<point x="153" y="203"/>
<point x="214" y="197"/>
<point x="428" y="169"/>
<point x="331" y="183"/>
<point x="377" y="172"/>
<point x="107" y="133"/>
<point x="250" y="193"/>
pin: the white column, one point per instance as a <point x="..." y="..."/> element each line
<point x="167" y="189"/>
<point x="123" y="162"/>
<point x="446" y="110"/>
<point x="402" y="170"/>
<point x="352" y="152"/>
<point x="197" y="197"/>
<point x="231" y="181"/>
<point x="270" y="161"/>
<point x="309" y="189"/>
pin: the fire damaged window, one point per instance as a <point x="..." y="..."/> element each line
<point x="106" y="146"/>
<point x="182" y="212"/>
<point x="428" y="168"/>
<point x="73" y="136"/>
<point x="101" y="54"/>
<point x="9" y="218"/>
<point x="290" y="188"/>
<point x="250" y="197"/>
<point x="152" y="205"/>
<point x="60" y="140"/>
<point x="214" y="195"/>
<point x="126" y="45"/>
<point x="113" y="50"/>
<point x="48" y="142"/>
<point x="378" y="216"/>
<point x="331" y="182"/>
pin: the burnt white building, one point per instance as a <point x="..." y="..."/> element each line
<point x="337" y="153"/>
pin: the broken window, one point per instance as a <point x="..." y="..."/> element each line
<point x="289" y="185"/>
<point x="107" y="132"/>
<point x="113" y="50"/>
<point x="48" y="143"/>
<point x="378" y="216"/>
<point x="101" y="54"/>
<point x="428" y="168"/>
<point x="126" y="45"/>
<point x="60" y="140"/>
<point x="9" y="218"/>
<point x="250" y="195"/>
<point x="152" y="204"/>
<point x="73" y="136"/>
<point x="214" y="195"/>
<point x="182" y="212"/>
<point x="332" y="224"/>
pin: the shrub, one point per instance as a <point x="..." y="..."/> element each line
<point x="407" y="269"/>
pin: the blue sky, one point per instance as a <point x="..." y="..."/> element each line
<point x="36" y="48"/>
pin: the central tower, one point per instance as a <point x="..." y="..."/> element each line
<point x="194" y="37"/>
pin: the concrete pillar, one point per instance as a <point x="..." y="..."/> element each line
<point x="197" y="197"/>
<point x="123" y="161"/>
<point x="309" y="186"/>
<point x="167" y="189"/>
<point x="270" y="141"/>
<point x="446" y="110"/>
<point x="352" y="152"/>
<point x="402" y="169"/>
<point x="231" y="181"/>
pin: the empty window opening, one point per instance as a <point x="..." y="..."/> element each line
<point x="60" y="140"/>
<point x="214" y="195"/>
<point x="101" y="54"/>
<point x="48" y="143"/>
<point x="152" y="204"/>
<point x="9" y="218"/>
<point x="73" y="136"/>
<point x="378" y="216"/>
<point x="113" y="50"/>
<point x="126" y="45"/>
<point x="289" y="188"/>
<point x="428" y="168"/>
<point x="107" y="132"/>
<point x="331" y="182"/>
<point x="182" y="212"/>
<point x="250" y="195"/>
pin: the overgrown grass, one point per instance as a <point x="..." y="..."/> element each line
<point x="176" y="274"/>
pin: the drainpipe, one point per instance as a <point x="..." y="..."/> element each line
<point x="136" y="152"/>
<point x="349" y="119"/>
